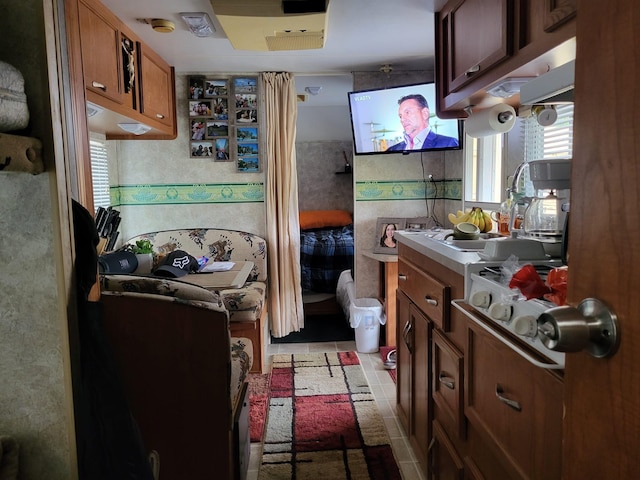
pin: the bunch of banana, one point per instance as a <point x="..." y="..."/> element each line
<point x="476" y="216"/>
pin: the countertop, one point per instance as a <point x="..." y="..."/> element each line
<point x="431" y="244"/>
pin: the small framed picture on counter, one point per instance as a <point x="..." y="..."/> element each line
<point x="385" y="240"/>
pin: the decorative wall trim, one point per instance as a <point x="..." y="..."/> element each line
<point x="375" y="190"/>
<point x="170" y="194"/>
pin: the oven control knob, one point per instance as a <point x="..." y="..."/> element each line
<point x="500" y="311"/>
<point x="526" y="325"/>
<point x="481" y="299"/>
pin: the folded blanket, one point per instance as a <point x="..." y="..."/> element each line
<point x="8" y="458"/>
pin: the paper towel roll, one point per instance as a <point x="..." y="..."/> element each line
<point x="497" y="119"/>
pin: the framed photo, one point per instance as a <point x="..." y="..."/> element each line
<point x="417" y="223"/>
<point x="217" y="129"/>
<point x="248" y="164"/>
<point x="245" y="85"/>
<point x="198" y="128"/>
<point x="220" y="108"/>
<point x="246" y="100"/>
<point x="246" y="116"/>
<point x="202" y="149"/>
<point x="200" y="108"/>
<point x="385" y="241"/>
<point x="213" y="88"/>
<point x="222" y="149"/>
<point x="196" y="87"/>
<point x="247" y="134"/>
<point x="247" y="149"/>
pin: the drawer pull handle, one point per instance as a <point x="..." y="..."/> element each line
<point x="431" y="301"/>
<point x="507" y="401"/>
<point x="159" y="115"/>
<point x="472" y="70"/>
<point x="447" y="381"/>
<point x="402" y="277"/>
<point x="99" y="85"/>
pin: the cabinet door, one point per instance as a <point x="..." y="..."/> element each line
<point x="100" y="46"/>
<point x="157" y="96"/>
<point x="557" y="12"/>
<point x="479" y="34"/>
<point x="515" y="406"/>
<point x="446" y="463"/>
<point x="404" y="336"/>
<point x="421" y="415"/>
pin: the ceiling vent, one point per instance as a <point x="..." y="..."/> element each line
<point x="270" y="25"/>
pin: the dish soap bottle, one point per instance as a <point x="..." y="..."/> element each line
<point x="504" y="215"/>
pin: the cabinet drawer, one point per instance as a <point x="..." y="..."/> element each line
<point x="515" y="406"/>
<point x="429" y="295"/>
<point x="448" y="391"/>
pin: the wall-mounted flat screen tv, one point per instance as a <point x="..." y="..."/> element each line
<point x="400" y="120"/>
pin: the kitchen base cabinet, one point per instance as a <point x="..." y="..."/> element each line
<point x="446" y="463"/>
<point x="515" y="407"/>
<point x="413" y="380"/>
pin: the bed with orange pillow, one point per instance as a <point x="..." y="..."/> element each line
<point x="326" y="248"/>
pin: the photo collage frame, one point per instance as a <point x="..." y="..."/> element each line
<point x="223" y="120"/>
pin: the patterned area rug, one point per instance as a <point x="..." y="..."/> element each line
<point x="323" y="421"/>
<point x="258" y="402"/>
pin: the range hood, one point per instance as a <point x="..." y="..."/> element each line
<point x="553" y="87"/>
<point x="271" y="25"/>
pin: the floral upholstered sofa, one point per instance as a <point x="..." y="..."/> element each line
<point x="184" y="375"/>
<point x="247" y="304"/>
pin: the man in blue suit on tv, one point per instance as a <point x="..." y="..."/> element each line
<point x="414" y="117"/>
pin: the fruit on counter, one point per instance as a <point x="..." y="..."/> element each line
<point x="476" y="216"/>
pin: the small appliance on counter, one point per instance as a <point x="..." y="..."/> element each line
<point x="540" y="190"/>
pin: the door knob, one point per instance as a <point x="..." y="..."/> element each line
<point x="591" y="327"/>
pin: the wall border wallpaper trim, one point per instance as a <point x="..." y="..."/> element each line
<point x="177" y="194"/>
<point x="375" y="190"/>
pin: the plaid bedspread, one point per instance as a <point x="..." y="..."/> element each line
<point x="324" y="255"/>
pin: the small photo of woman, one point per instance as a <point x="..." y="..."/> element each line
<point x="387" y="238"/>
<point x="386" y="241"/>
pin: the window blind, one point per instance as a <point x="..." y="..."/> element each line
<point x="99" y="173"/>
<point x="554" y="141"/>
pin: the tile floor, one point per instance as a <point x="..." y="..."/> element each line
<point x="384" y="391"/>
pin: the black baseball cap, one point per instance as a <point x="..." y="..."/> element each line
<point x="177" y="264"/>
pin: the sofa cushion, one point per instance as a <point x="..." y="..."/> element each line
<point x="244" y="304"/>
<point x="158" y="286"/>
<point x="218" y="245"/>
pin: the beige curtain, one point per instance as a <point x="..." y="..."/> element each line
<point x="283" y="228"/>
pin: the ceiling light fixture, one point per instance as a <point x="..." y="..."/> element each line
<point x="163" y="26"/>
<point x="312" y="90"/>
<point x="135" y="128"/>
<point x="386" y="68"/>
<point x="199" y="23"/>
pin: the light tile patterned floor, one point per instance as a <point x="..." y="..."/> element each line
<point x="383" y="389"/>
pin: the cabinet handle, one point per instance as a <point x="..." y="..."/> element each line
<point x="405" y="335"/>
<point x="472" y="70"/>
<point x="507" y="401"/>
<point x="402" y="277"/>
<point x="447" y="381"/>
<point x="99" y="85"/>
<point x="431" y="301"/>
<point x="159" y="115"/>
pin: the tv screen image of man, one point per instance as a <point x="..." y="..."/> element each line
<point x="413" y="111"/>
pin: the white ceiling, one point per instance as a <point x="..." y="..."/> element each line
<point x="362" y="35"/>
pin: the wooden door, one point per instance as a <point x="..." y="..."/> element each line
<point x="602" y="396"/>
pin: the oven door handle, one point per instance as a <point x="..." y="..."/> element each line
<point x="511" y="345"/>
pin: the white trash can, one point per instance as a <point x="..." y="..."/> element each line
<point x="365" y="316"/>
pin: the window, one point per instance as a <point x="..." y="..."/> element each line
<point x="99" y="171"/>
<point x="486" y="175"/>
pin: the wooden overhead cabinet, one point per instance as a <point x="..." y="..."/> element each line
<point x="124" y="77"/>
<point x="481" y="42"/>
